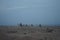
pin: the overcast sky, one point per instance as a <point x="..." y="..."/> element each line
<point x="13" y="12"/>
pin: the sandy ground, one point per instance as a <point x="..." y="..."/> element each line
<point x="29" y="33"/>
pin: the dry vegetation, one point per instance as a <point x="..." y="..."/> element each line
<point x="29" y="33"/>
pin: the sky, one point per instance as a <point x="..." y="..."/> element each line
<point x="46" y="12"/>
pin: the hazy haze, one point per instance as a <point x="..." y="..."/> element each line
<point x="29" y="11"/>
